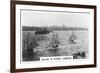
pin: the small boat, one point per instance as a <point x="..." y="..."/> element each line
<point x="72" y="38"/>
<point x="54" y="43"/>
<point x="31" y="43"/>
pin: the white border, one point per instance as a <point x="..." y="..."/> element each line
<point x="37" y="64"/>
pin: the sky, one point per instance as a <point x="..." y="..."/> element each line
<point x="49" y="18"/>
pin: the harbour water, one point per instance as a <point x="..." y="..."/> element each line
<point x="77" y="50"/>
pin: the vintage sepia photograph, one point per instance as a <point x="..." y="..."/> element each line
<point x="54" y="33"/>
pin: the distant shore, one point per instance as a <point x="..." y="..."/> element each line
<point x="31" y="28"/>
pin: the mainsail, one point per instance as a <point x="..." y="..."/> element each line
<point x="54" y="41"/>
<point x="31" y="43"/>
<point x="72" y="38"/>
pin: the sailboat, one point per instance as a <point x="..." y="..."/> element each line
<point x="54" y="43"/>
<point x="72" y="38"/>
<point x="31" y="43"/>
